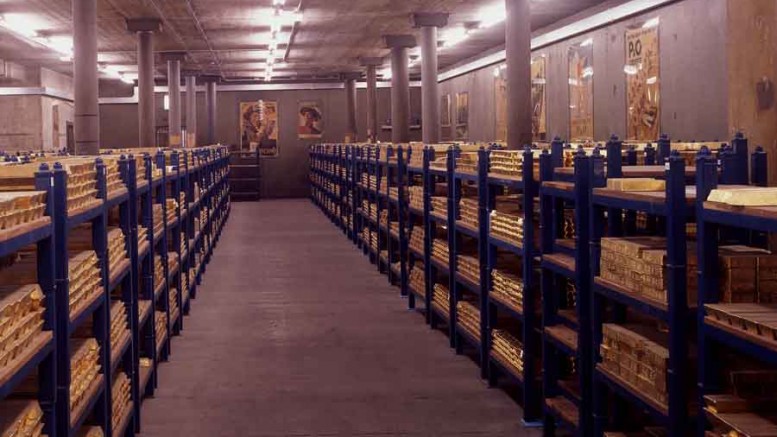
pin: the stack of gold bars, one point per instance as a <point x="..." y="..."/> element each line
<point x="640" y="361"/>
<point x="441" y="298"/>
<point x="440" y="205"/>
<point x="84" y="369"/>
<point x="370" y="238"/>
<point x="159" y="219"/>
<point x="417" y="238"/>
<point x="416" y="197"/>
<point x="172" y="262"/>
<point x="120" y="395"/>
<point x="469" y="266"/>
<point x="468" y="211"/>
<point x="370" y="209"/>
<point x="393" y="193"/>
<point x="117" y="250"/>
<point x="119" y="327"/>
<point x="21" y="418"/>
<point x="114" y="184"/>
<point x="384" y="218"/>
<point x="506" y="221"/>
<point x="159" y="271"/>
<point x="639" y="265"/>
<point x="182" y="201"/>
<point x="160" y="326"/>
<point x="81" y="181"/>
<point x="21" y="320"/>
<point x="91" y="431"/>
<point x="384" y="186"/>
<point x="467" y="162"/>
<point x="142" y="235"/>
<point x="507" y="288"/>
<point x="172" y="210"/>
<point x="755" y="319"/>
<point x="468" y="316"/>
<point x="507" y="349"/>
<point x="85" y="278"/>
<point x="416" y="278"/>
<point x="20" y="207"/>
<point x="506" y="162"/>
<point x="440" y="251"/>
<point x="416" y="159"/>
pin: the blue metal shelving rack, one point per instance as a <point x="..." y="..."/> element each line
<point x="413" y="218"/>
<point x="525" y="316"/>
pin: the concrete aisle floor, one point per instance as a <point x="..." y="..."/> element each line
<point x="294" y="333"/>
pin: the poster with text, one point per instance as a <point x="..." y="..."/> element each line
<point x="642" y="84"/>
<point x="539" y="127"/>
<point x="581" y="91"/>
<point x="462" y="116"/>
<point x="310" y="123"/>
<point x="259" y="127"/>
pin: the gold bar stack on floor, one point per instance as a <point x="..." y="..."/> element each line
<point x="84" y="369"/>
<point x="21" y="418"/>
<point x="21" y="321"/>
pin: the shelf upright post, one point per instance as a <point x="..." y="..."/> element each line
<point x="131" y="283"/>
<point x="178" y="236"/>
<point x="597" y="308"/>
<point x="664" y="147"/>
<point x="707" y="253"/>
<point x="532" y="394"/>
<point x="429" y="271"/>
<point x="650" y="154"/>
<point x="454" y="192"/>
<point x="758" y="163"/>
<point x="677" y="293"/>
<point x="162" y="196"/>
<point x="549" y="228"/>
<point x="402" y="218"/>
<point x="58" y="205"/>
<point x="615" y="170"/>
<point x="557" y="153"/>
<point x="386" y="203"/>
<point x="492" y="373"/>
<point x="739" y="149"/>
<point x="102" y="315"/>
<point x="147" y="268"/>
<point x="483" y="262"/>
<point x="47" y="370"/>
<point x="630" y="221"/>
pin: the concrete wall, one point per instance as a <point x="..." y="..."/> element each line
<point x="287" y="175"/>
<point x="694" y="93"/>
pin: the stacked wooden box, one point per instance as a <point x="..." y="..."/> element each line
<point x="21" y="418"/>
<point x="469" y="317"/>
<point x="21" y="320"/>
<point x="120" y="395"/>
<point x="507" y="348"/>
<point x="20" y="207"/>
<point x="119" y="329"/>
<point x="506" y="162"/>
<point x="441" y="298"/>
<point x="507" y="288"/>
<point x="84" y="369"/>
<point x="468" y="211"/>
<point x="638" y="360"/>
<point x="85" y="278"/>
<point x="416" y="197"/>
<point x="469" y="267"/>
<point x="440" y="251"/>
<point x="506" y="222"/>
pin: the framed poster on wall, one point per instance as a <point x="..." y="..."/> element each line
<point x="642" y="82"/>
<point x="259" y="127"/>
<point x="581" y="91"/>
<point x="539" y="126"/>
<point x="310" y="122"/>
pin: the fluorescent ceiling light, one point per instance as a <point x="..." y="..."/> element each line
<point x="451" y="37"/>
<point x="491" y="15"/>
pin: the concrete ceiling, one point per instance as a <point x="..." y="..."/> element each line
<point x="228" y="37"/>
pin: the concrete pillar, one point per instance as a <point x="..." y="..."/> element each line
<point x="191" y="110"/>
<point x="210" y="106"/>
<point x="350" y="99"/>
<point x="430" y="94"/>
<point x="174" y="60"/>
<point x="85" y="79"/>
<point x="145" y="28"/>
<point x="518" y="53"/>
<point x="372" y="96"/>
<point x="400" y="86"/>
